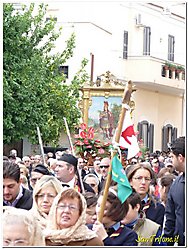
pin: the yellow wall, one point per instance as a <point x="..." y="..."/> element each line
<point x="158" y="109"/>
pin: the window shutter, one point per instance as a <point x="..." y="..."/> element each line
<point x="174" y="134"/>
<point x="164" y="138"/>
<point x="139" y="128"/>
<point x="151" y="137"/>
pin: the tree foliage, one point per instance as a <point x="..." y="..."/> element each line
<point x="35" y="93"/>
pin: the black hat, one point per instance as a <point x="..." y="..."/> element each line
<point x="40" y="168"/>
<point x="69" y="159"/>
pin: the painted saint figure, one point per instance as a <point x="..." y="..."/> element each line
<point x="106" y="121"/>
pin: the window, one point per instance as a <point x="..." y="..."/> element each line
<point x="147" y="37"/>
<point x="169" y="134"/>
<point x="171" y="42"/>
<point x="64" y="70"/>
<point x="125" y="45"/>
<point x="146" y="133"/>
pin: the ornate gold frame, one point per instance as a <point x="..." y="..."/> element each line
<point x="107" y="86"/>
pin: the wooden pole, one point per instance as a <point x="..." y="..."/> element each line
<point x="41" y="145"/>
<point x="126" y="100"/>
<point x="69" y="136"/>
<point x="72" y="148"/>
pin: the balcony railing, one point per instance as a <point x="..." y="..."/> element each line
<point x="173" y="73"/>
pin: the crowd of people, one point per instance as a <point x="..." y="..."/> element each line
<point x="57" y="202"/>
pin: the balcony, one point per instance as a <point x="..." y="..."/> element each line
<point x="150" y="73"/>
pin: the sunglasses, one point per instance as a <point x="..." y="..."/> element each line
<point x="92" y="185"/>
<point x="104" y="166"/>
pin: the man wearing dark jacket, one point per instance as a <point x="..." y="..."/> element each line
<point x="175" y="206"/>
<point x="66" y="172"/>
<point x="14" y="194"/>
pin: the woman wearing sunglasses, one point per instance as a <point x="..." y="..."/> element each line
<point x="93" y="181"/>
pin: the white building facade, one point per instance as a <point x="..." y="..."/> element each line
<point x="133" y="40"/>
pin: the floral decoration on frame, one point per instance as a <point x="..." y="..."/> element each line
<point x="86" y="146"/>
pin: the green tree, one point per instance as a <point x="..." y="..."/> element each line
<point x="35" y="93"/>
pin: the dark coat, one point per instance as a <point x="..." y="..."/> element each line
<point x="92" y="242"/>
<point x="175" y="211"/>
<point x="155" y="212"/>
<point x="26" y="201"/>
<point x="126" y="237"/>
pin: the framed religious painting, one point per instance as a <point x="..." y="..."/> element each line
<point x="101" y="106"/>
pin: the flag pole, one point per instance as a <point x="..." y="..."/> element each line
<point x="125" y="102"/>
<point x="41" y="145"/>
<point x="72" y="148"/>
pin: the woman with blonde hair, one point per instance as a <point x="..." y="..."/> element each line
<point x="44" y="193"/>
<point x="67" y="222"/>
<point x="20" y="228"/>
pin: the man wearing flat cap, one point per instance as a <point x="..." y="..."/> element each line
<point x="67" y="173"/>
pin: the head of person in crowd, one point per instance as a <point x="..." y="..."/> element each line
<point x="178" y="154"/>
<point x="50" y="155"/>
<point x="24" y="174"/>
<point x="155" y="165"/>
<point x="66" y="168"/>
<point x="20" y="228"/>
<point x="11" y="181"/>
<point x="81" y="163"/>
<point x="162" y="172"/>
<point x="114" y="211"/>
<point x="140" y="177"/>
<point x="104" y="167"/>
<point x="14" y="194"/>
<point x="52" y="164"/>
<point x="135" y="204"/>
<point x="23" y="169"/>
<point x="58" y="154"/>
<point x="91" y="200"/>
<point x="164" y="185"/>
<point x="32" y="159"/>
<point x="171" y="168"/>
<point x="96" y="166"/>
<point x="93" y="181"/>
<point x="27" y="161"/>
<point x="12" y="158"/>
<point x="66" y="224"/>
<point x="37" y="160"/>
<point x="37" y="173"/>
<point x="14" y="152"/>
<point x="46" y="189"/>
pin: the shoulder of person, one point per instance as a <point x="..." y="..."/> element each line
<point x="94" y="242"/>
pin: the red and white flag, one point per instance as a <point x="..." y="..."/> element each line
<point x="128" y="137"/>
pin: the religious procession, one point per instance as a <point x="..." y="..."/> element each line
<point x="93" y="160"/>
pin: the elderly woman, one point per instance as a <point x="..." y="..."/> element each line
<point x="93" y="181"/>
<point x="44" y="193"/>
<point x="66" y="225"/>
<point x="140" y="177"/>
<point x="111" y="230"/>
<point x="20" y="228"/>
